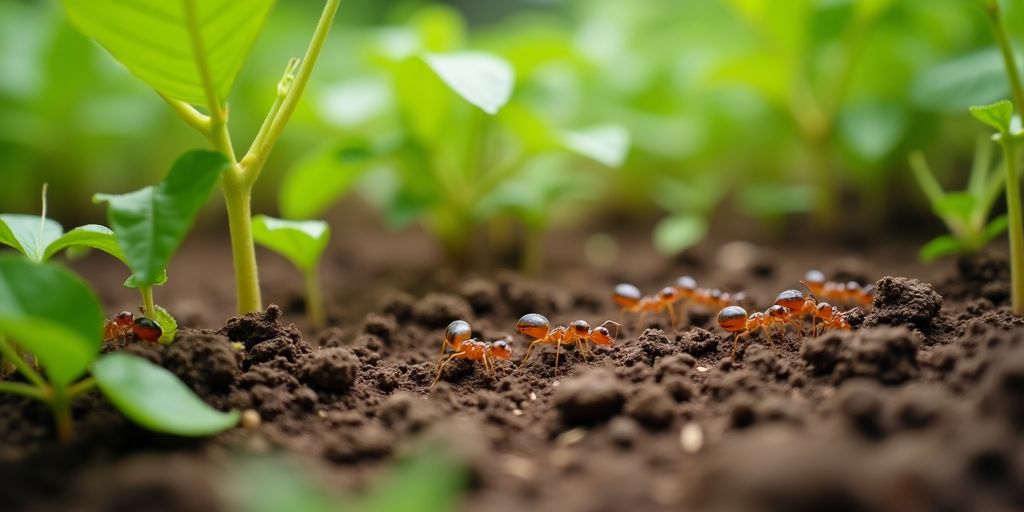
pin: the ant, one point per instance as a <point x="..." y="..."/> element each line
<point x="801" y="306"/>
<point x="849" y="292"/>
<point x="457" y="336"/>
<point x="578" y="332"/>
<point x="734" y="319"/>
<point x="629" y="297"/>
<point x="125" y="322"/>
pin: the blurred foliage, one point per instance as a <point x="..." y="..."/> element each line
<point x="764" y="108"/>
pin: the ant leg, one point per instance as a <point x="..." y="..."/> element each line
<point x="768" y="335"/>
<point x="558" y="349"/>
<point x="640" y="320"/>
<point x="444" y="343"/>
<point x="530" y="349"/>
<point x="671" y="310"/>
<point x="735" y="342"/>
<point x="439" y="368"/>
<point x="489" y="365"/>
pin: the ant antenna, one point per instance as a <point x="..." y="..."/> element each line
<point x="809" y="292"/>
<point x="617" y="325"/>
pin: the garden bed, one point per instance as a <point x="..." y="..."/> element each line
<point x="919" y="408"/>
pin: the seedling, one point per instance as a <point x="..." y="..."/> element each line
<point x="578" y="333"/>
<point x="302" y="243"/>
<point x="189" y="52"/>
<point x="965" y="212"/>
<point x="468" y="152"/>
<point x="53" y="315"/>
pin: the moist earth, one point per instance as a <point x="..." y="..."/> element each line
<point x="919" y="407"/>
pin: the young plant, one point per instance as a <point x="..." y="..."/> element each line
<point x="302" y="243"/>
<point x="964" y="212"/>
<point x="189" y="52"/>
<point x="150" y="223"/>
<point x="466" y="150"/>
<point x="53" y="315"/>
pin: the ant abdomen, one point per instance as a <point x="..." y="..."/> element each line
<point x="533" y="325"/>
<point x="732" y="318"/>
<point x="458" y="332"/>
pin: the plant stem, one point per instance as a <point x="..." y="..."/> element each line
<point x="147" y="301"/>
<point x="257" y="154"/>
<point x="81" y="386"/>
<point x="12" y="357"/>
<point x="1016" y="229"/>
<point x="314" y="297"/>
<point x="1003" y="39"/>
<point x="20" y="388"/>
<point x="238" y="201"/>
<point x="60" y="403"/>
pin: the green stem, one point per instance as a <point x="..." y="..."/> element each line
<point x="147" y="301"/>
<point x="238" y="200"/>
<point x="81" y="386"/>
<point x="314" y="297"/>
<point x="20" y="388"/>
<point x="12" y="357"/>
<point x="1003" y="39"/>
<point x="189" y="114"/>
<point x="257" y="154"/>
<point x="1013" y="207"/>
<point x="60" y="403"/>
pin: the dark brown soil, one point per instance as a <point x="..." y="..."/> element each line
<point x="919" y="408"/>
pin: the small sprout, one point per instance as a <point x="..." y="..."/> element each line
<point x="303" y="244"/>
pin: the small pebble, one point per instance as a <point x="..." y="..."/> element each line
<point x="250" y="419"/>
<point x="702" y="369"/>
<point x="322" y="413"/>
<point x="519" y="467"/>
<point x="691" y="437"/>
<point x="571" y="437"/>
<point x="533" y="396"/>
<point x="517" y="412"/>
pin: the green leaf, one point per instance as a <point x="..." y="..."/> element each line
<point x="926" y="179"/>
<point x="133" y="282"/>
<point x="679" y="232"/>
<point x="156" y="399"/>
<point x="941" y="246"/>
<point x="995" y="227"/>
<point x="998" y="115"/>
<point x="873" y="130"/>
<point x="956" y="205"/>
<point x="27" y="235"/>
<point x="312" y="185"/>
<point x="482" y="79"/>
<point x="168" y="325"/>
<point x="964" y="81"/>
<point x="607" y="144"/>
<point x="302" y="242"/>
<point x="52" y="313"/>
<point x="151" y="223"/>
<point x="169" y="49"/>
<point x="432" y="481"/>
<point x="89" y="235"/>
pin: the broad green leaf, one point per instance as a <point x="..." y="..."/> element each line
<point x="318" y="181"/>
<point x="133" y="282"/>
<point x="482" y="79"/>
<point x="940" y="246"/>
<point x="89" y="235"/>
<point x="302" y="242"/>
<point x="52" y="313"/>
<point x="28" y="235"/>
<point x="272" y="484"/>
<point x="607" y="144"/>
<point x="171" y="44"/>
<point x="156" y="399"/>
<point x="995" y="227"/>
<point x="952" y="86"/>
<point x="998" y="115"/>
<point x="167" y="324"/>
<point x="676" y="233"/>
<point x="151" y="223"/>
<point x="764" y="199"/>
<point x="424" y="100"/>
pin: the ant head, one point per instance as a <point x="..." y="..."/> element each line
<point x="626" y="294"/>
<point x="501" y="349"/>
<point x="457" y="332"/>
<point x="580" y="327"/>
<point x="601" y="336"/>
<point x="792" y="299"/>
<point x="146" y="329"/>
<point x="732" y="318"/>
<point x="814" y="277"/>
<point x="612" y="323"/>
<point x="668" y="293"/>
<point x="686" y="284"/>
<point x="826" y="311"/>
<point x="778" y="311"/>
<point x="124" y="318"/>
<point x="533" y="325"/>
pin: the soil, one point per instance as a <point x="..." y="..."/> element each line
<point x="920" y="407"/>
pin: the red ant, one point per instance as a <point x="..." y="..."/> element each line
<point x="734" y="319"/>
<point x="830" y="316"/>
<point x="849" y="292"/>
<point x="579" y="332"/>
<point x="457" y="336"/>
<point x="629" y="297"/>
<point x="125" y="322"/>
